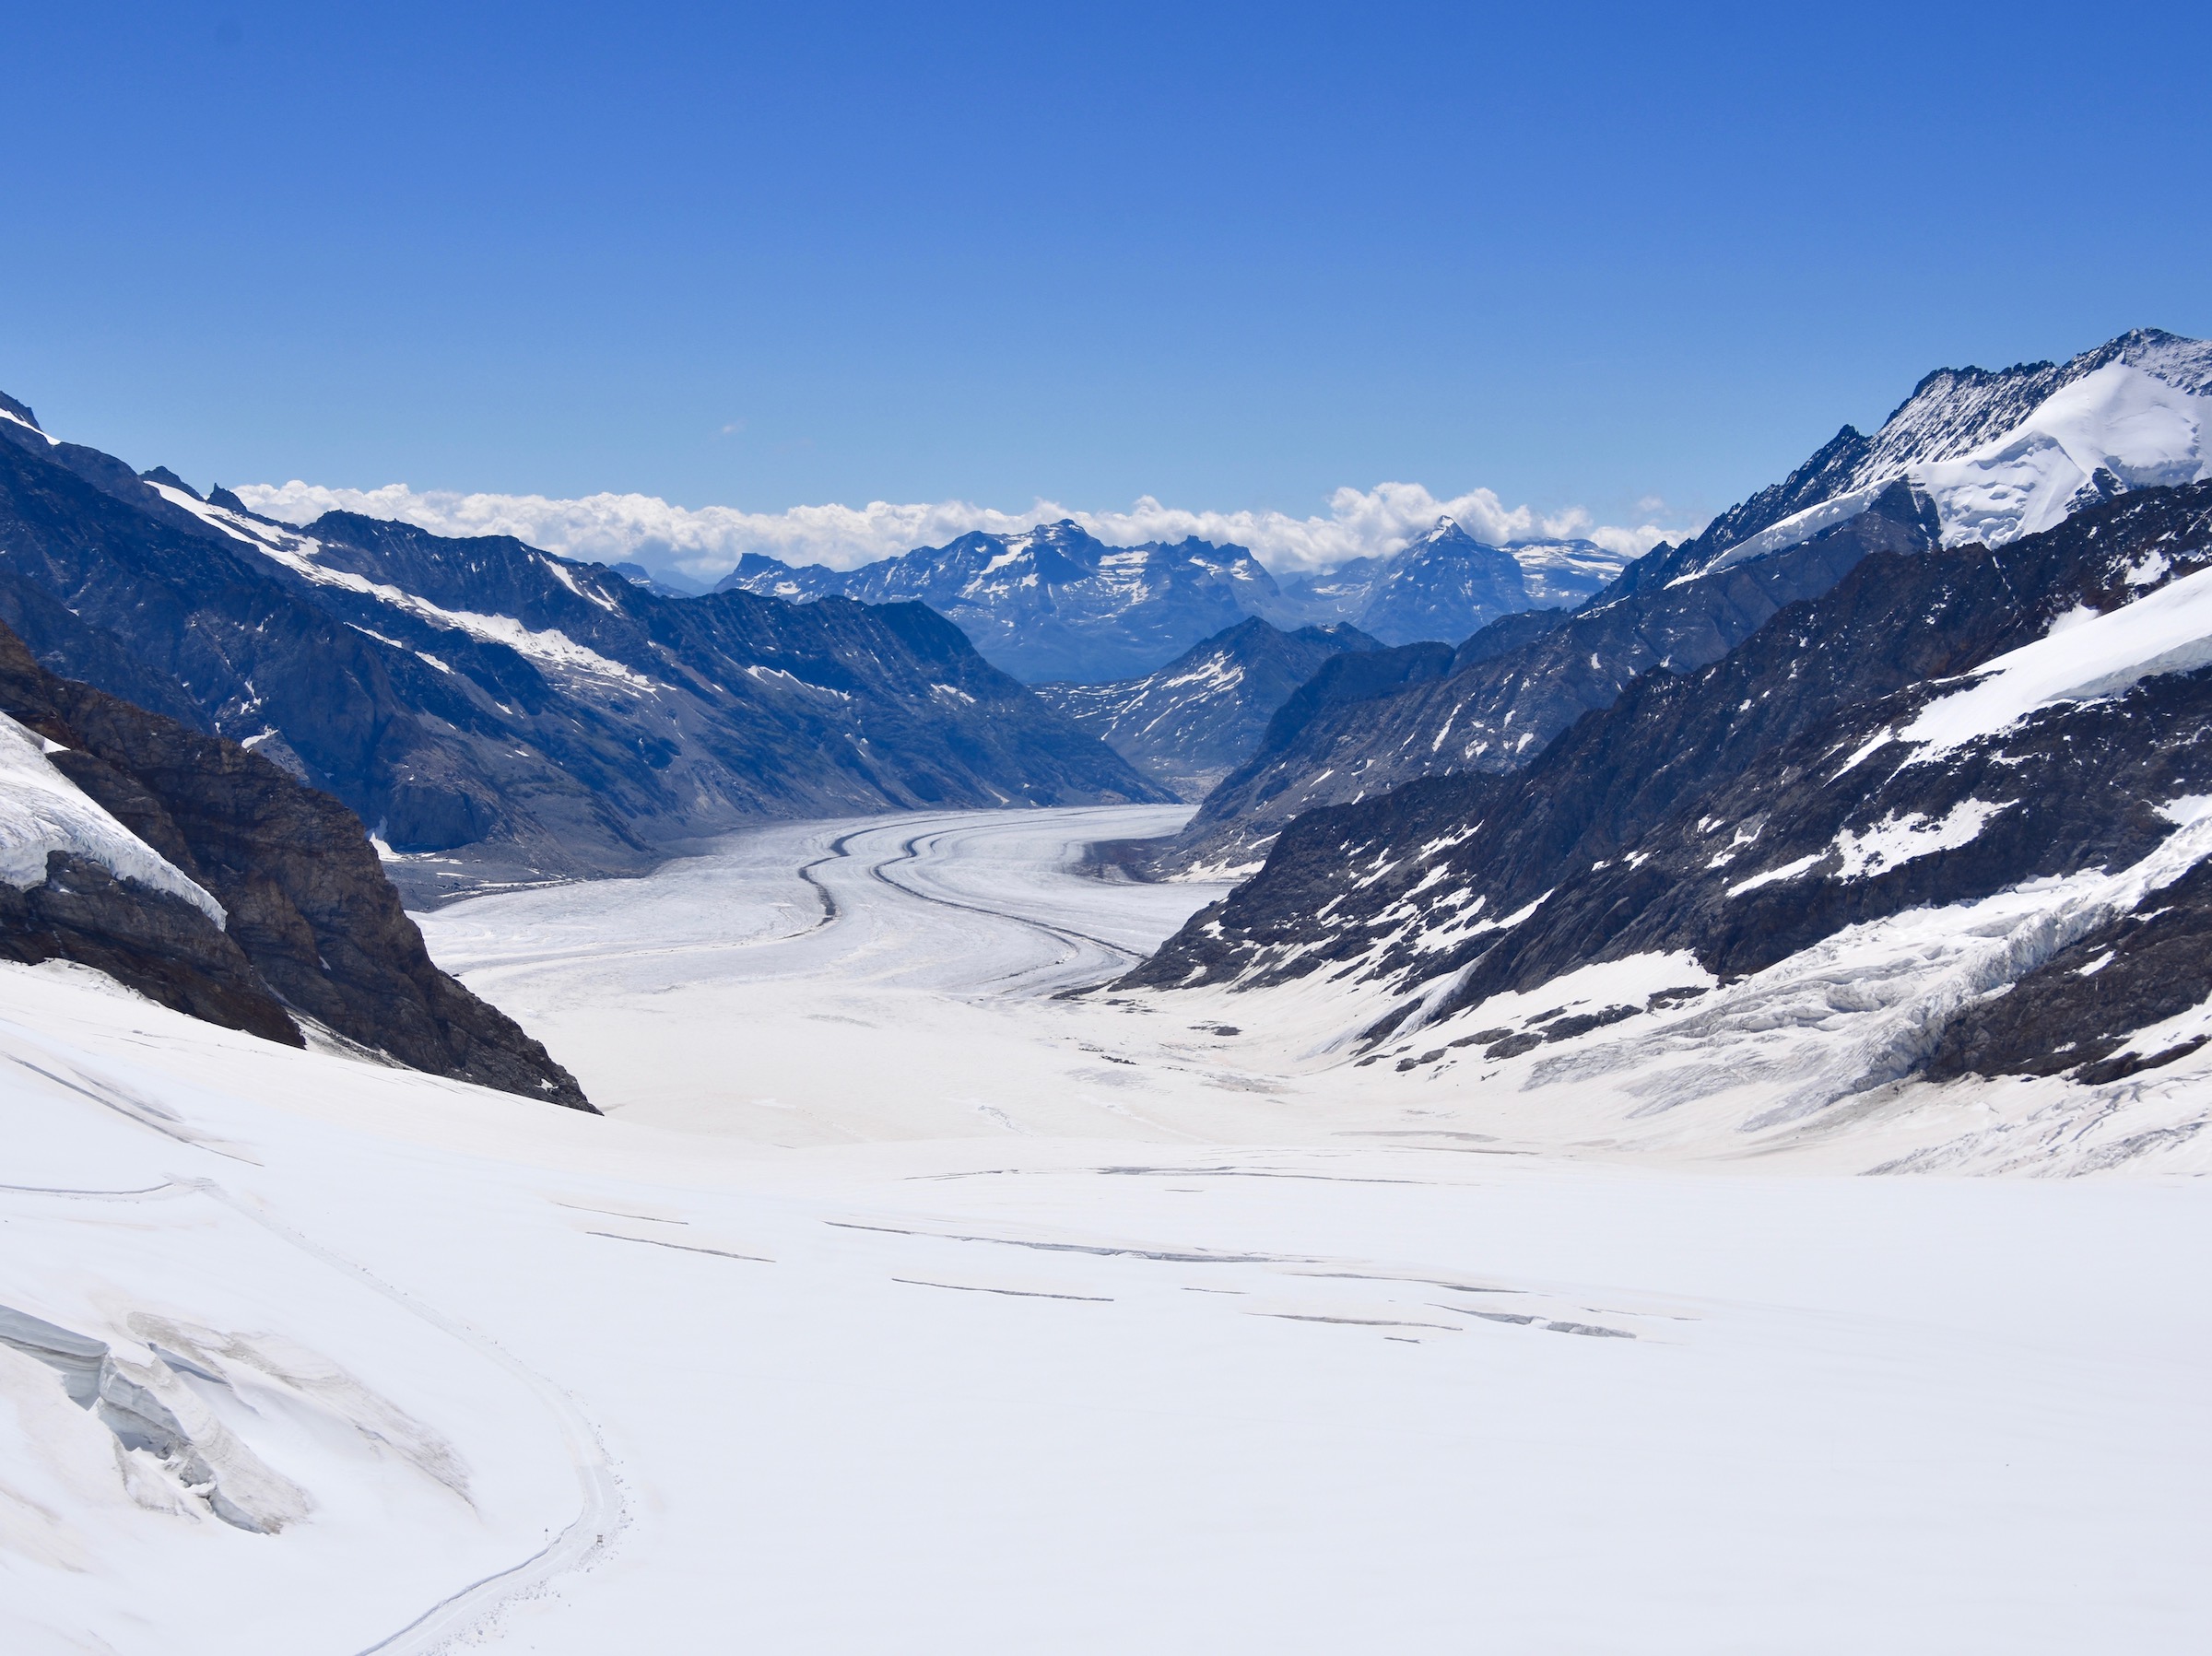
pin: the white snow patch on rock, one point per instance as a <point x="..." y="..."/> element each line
<point x="43" y="811"/>
<point x="2080" y="658"/>
<point x="1897" y="840"/>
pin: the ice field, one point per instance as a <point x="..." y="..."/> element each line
<point x="903" y="1304"/>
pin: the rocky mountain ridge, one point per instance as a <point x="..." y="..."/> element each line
<point x="495" y="712"/>
<point x="1945" y="818"/>
<point x="1970" y="456"/>
<point x="1510" y="689"/>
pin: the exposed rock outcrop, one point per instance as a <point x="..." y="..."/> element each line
<point x="1749" y="813"/>
<point x="311" y="928"/>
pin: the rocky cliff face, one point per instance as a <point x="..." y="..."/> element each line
<point x="1189" y="724"/>
<point x="302" y="924"/>
<point x="496" y="711"/>
<point x="1957" y="791"/>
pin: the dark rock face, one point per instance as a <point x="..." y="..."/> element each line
<point x="314" y="928"/>
<point x="1755" y="807"/>
<point x="1514" y="687"/>
<point x="1189" y="724"/>
<point x="2078" y="1010"/>
<point x="478" y="697"/>
<point x="150" y="940"/>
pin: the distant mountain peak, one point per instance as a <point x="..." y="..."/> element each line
<point x="21" y="414"/>
<point x="1445" y="532"/>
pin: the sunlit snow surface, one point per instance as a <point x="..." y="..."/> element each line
<point x="900" y="1306"/>
<point x="42" y="811"/>
<point x="2133" y="424"/>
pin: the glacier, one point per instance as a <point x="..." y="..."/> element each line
<point x="906" y="1300"/>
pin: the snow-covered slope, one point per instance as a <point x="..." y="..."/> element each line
<point x="200" y="873"/>
<point x="2009" y="453"/>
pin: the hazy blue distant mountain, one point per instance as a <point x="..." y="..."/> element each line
<point x="1051" y="603"/>
<point x="1196" y="718"/>
<point x="1446" y="585"/>
<point x="1054" y="604"/>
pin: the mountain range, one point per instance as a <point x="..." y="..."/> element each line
<point x="1972" y="455"/>
<point x="1948" y="818"/>
<point x="1908" y="744"/>
<point x="1054" y="604"/>
<point x="495" y="712"/>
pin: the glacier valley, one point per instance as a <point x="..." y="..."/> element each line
<point x="920" y="1293"/>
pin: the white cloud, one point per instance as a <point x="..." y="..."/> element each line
<point x="704" y="543"/>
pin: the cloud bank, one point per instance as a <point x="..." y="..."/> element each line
<point x="704" y="543"/>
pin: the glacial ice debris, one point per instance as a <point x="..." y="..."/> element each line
<point x="171" y="1447"/>
<point x="174" y="1452"/>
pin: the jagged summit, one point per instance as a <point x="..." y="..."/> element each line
<point x="2005" y="452"/>
<point x="1054" y="602"/>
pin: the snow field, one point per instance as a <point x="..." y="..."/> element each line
<point x="1196" y="1344"/>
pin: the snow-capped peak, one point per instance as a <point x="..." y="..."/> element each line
<point x="2012" y="453"/>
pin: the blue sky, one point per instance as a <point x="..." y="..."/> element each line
<point x="1233" y="257"/>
